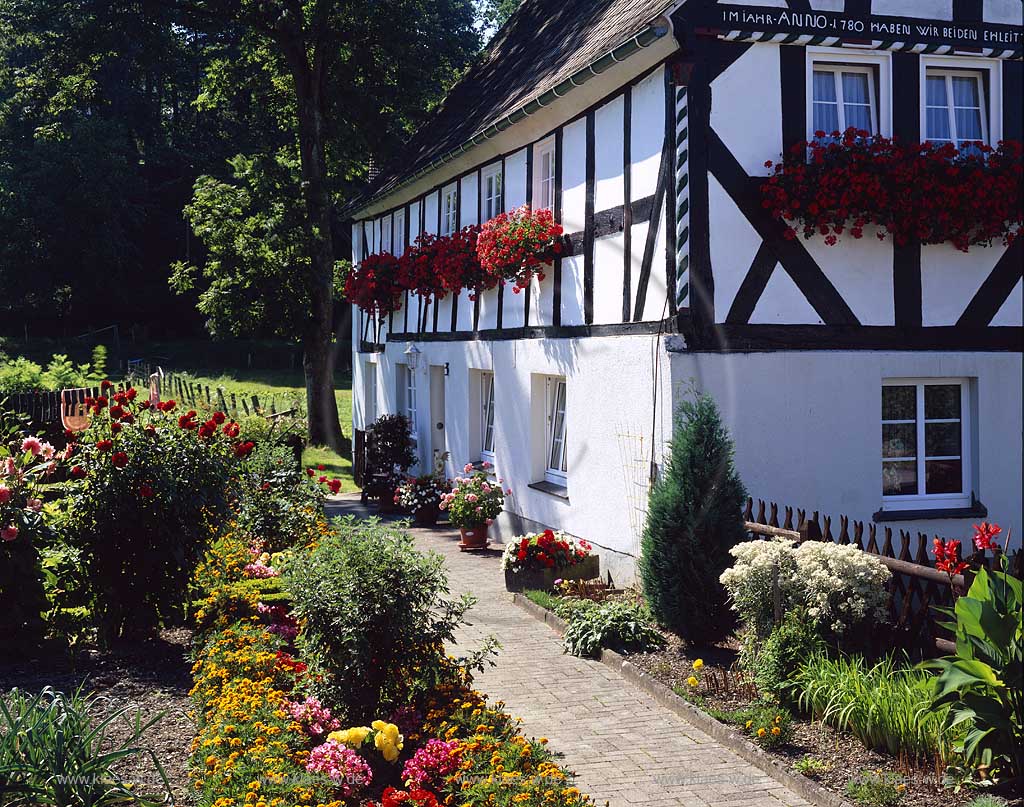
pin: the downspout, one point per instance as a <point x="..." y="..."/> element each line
<point x="655" y="31"/>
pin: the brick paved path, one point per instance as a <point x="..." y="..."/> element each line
<point x="626" y="748"/>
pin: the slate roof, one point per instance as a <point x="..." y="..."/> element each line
<point x="541" y="45"/>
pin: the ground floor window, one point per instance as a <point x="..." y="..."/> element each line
<point x="557" y="468"/>
<point x="407" y="399"/>
<point x="487" y="417"/>
<point x="926" y="443"/>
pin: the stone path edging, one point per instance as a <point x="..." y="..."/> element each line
<point x="801" y="785"/>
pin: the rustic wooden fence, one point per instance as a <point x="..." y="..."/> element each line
<point x="916" y="587"/>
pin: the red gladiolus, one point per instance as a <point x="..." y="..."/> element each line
<point x="208" y="429"/>
<point x="218" y="418"/>
<point x="130" y="393"/>
<point x="186" y="422"/>
<point x="115" y="428"/>
<point x="119" y="459"/>
<point x="310" y="472"/>
<point x="231" y="429"/>
<point x="104" y="445"/>
<point x="984" y="536"/>
<point x="244" y="449"/>
<point x="947" y="557"/>
<point x="321" y="467"/>
<point x="78" y="472"/>
<point x="334" y="486"/>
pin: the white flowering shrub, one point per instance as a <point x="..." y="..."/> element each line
<point x="841" y="586"/>
<point x="749" y="581"/>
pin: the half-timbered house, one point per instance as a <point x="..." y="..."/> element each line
<point x="876" y="380"/>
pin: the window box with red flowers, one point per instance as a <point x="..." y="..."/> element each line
<point x="537" y="561"/>
<point x="932" y="193"/>
<point x="515" y="246"/>
<point x="457" y="263"/>
<point x="375" y="285"/>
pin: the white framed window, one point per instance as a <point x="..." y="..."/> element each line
<point x="449" y="209"/>
<point x="399" y="232"/>
<point x="955" y="110"/>
<point x="491" y="192"/>
<point x="853" y="89"/>
<point x="544" y="175"/>
<point x="843" y="96"/>
<point x="926" y="430"/>
<point x="556" y="464"/>
<point x="385" y="234"/>
<point x="487" y="417"/>
<point x="407" y="399"/>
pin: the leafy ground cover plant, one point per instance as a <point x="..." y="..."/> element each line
<point x="621" y="625"/>
<point x="767" y="724"/>
<point x="811" y="767"/>
<point x="58" y="749"/>
<point x="876" y="789"/>
<point x="887" y="706"/>
<point x="980" y="689"/>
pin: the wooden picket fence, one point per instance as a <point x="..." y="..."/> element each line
<point x="191" y="393"/>
<point x="916" y="588"/>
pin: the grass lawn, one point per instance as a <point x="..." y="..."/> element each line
<point x="286" y="388"/>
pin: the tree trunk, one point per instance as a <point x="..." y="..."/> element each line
<point x="318" y="355"/>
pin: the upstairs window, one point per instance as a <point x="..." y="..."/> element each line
<point x="491" y="192"/>
<point x="449" y="210"/>
<point x="399" y="232"/>
<point x="407" y="396"/>
<point x="385" y="234"/>
<point x="843" y="96"/>
<point x="487" y="417"/>
<point x="925" y="443"/>
<point x="557" y="468"/>
<point x="955" y="110"/>
<point x="544" y="175"/>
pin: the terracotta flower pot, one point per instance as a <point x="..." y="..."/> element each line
<point x="473" y="537"/>
<point x="426" y="516"/>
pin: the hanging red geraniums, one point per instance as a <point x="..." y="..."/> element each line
<point x="416" y="268"/>
<point x="457" y="264"/>
<point x="374" y="284"/>
<point x="512" y="247"/>
<point x="936" y="194"/>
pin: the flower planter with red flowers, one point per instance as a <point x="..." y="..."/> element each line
<point x="457" y="265"/>
<point x="911" y="191"/>
<point x="537" y="561"/>
<point x="515" y="246"/>
<point x="375" y="285"/>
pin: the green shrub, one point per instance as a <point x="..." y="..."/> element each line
<point x="66" y="749"/>
<point x="886" y="706"/>
<point x="20" y="374"/>
<point x="373" y="610"/>
<point x="618" y="625"/>
<point x="767" y="724"/>
<point x="876" y="789"/>
<point x="389" y="454"/>
<point x="773" y="662"/>
<point x="694" y="517"/>
<point x="980" y="688"/>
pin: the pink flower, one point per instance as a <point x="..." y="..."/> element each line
<point x="468" y="469"/>
<point x="343" y="765"/>
<point x="490" y="521"/>
<point x="508" y="491"/>
<point x="9" y="533"/>
<point x="485" y="464"/>
<point x="485" y="488"/>
<point x="5" y="494"/>
<point x="432" y="763"/>
<point x="35" y="505"/>
<point x="479" y="510"/>
<point x="48" y="451"/>
<point x="33" y="445"/>
<point x="471" y="497"/>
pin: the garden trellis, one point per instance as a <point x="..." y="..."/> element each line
<point x="917" y="588"/>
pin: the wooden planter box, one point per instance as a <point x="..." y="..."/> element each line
<point x="544" y="579"/>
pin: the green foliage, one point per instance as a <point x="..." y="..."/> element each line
<point x="811" y="767"/>
<point x="67" y="586"/>
<point x="767" y="724"/>
<point x="987" y="800"/>
<point x="980" y="688"/>
<point x="876" y="789"/>
<point x="277" y="503"/>
<point x="775" y="661"/>
<point x="99" y="362"/>
<point x="21" y="374"/>
<point x="886" y="706"/>
<point x="620" y="625"/>
<point x="374" y="610"/>
<point x="58" y="749"/>
<point x="388" y="454"/>
<point x="545" y="599"/>
<point x="694" y="517"/>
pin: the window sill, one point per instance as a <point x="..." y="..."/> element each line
<point x="551" y="488"/>
<point x="976" y="510"/>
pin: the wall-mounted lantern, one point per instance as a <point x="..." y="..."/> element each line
<point x="412" y="356"/>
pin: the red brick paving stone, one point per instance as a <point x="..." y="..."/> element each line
<point x="625" y="747"/>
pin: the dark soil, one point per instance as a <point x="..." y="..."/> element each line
<point x="149" y="677"/>
<point x="844" y="758"/>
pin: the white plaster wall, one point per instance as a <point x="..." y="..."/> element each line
<point x="542" y="299"/>
<point x="950" y="278"/>
<point x="572" y="290"/>
<point x="811" y="435"/>
<point x="1003" y="11"/>
<point x="782" y="303"/>
<point x="746" y="108"/>
<point x="734" y="242"/>
<point x="574" y="176"/>
<point x="515" y="180"/>
<point x="929" y="9"/>
<point x="647" y="134"/>
<point x="608" y="266"/>
<point x="655" y="302"/>
<point x="608" y="133"/>
<point x="861" y="271"/>
<point x="489" y="309"/>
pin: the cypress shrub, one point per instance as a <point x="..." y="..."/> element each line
<point x="694" y="517"/>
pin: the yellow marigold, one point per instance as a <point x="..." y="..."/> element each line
<point x="776" y="731"/>
<point x="761" y="732"/>
<point x="692" y="681"/>
<point x="698" y="664"/>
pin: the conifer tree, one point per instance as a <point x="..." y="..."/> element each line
<point x="694" y="517"/>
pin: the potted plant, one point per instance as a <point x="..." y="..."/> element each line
<point x="537" y="561"/>
<point x="389" y="454"/>
<point x="514" y="246"/>
<point x="473" y="503"/>
<point x="421" y="496"/>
